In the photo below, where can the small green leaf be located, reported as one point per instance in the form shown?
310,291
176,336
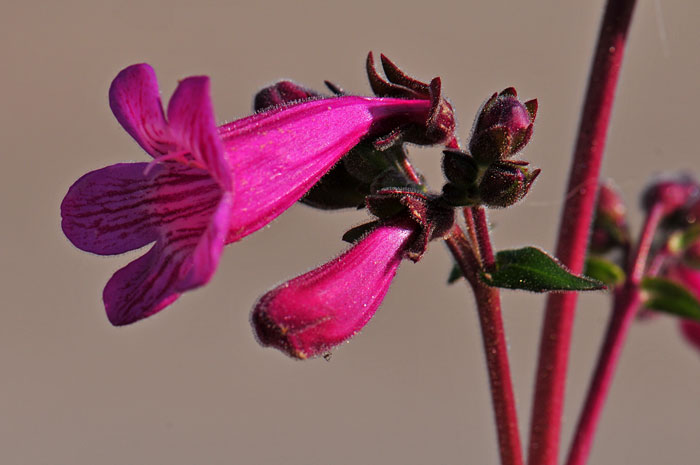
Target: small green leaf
604,270
533,270
455,274
669,297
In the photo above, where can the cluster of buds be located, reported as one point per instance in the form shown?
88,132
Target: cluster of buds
487,174
610,229
672,201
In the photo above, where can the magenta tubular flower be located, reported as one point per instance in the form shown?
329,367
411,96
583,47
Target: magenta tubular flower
316,311
206,186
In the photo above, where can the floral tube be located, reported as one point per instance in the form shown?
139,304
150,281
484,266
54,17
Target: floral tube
206,186
318,310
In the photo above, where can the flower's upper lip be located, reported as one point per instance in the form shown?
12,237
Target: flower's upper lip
189,132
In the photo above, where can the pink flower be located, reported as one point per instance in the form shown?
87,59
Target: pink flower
318,310
206,186
690,279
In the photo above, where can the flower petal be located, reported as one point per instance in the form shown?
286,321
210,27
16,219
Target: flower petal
135,101
105,211
184,257
193,127
119,208
318,310
278,155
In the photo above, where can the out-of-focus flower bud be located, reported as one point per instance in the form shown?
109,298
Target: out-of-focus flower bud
281,93
502,128
610,227
671,194
505,183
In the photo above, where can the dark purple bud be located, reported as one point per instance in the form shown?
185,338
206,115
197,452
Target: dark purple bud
503,127
610,228
671,194
281,93
505,183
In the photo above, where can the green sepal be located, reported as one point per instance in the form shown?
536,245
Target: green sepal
358,232
666,296
532,269
604,271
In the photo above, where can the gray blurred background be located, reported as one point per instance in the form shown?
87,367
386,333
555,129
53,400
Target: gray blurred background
191,385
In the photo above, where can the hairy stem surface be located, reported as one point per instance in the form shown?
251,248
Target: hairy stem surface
489,308
573,232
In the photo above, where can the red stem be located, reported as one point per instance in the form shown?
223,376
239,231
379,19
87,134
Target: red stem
573,232
489,307
627,301
482,234
471,231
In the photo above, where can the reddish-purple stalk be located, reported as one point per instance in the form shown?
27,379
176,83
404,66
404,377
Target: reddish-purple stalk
489,308
626,303
482,235
471,231
574,231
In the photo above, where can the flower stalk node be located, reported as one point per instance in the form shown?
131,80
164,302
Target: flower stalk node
433,217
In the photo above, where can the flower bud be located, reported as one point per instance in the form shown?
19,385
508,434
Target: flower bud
671,194
504,184
610,228
502,128
281,93
314,312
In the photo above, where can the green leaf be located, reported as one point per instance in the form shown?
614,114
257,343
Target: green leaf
455,274
669,297
604,270
534,270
